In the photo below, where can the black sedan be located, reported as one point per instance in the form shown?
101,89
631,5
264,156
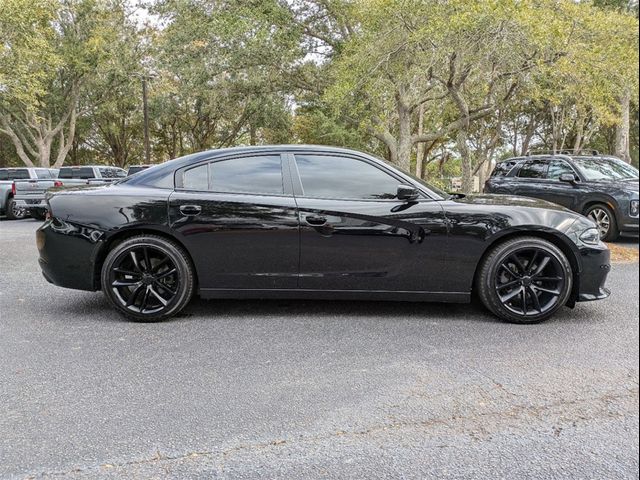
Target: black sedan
603,188
314,222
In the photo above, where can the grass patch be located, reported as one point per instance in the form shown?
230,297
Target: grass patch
621,254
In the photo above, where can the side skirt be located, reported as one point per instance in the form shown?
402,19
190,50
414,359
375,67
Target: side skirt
401,296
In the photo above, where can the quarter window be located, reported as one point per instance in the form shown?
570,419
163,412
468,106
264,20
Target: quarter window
533,169
196,178
325,176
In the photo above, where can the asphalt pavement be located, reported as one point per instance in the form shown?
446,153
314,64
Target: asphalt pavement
301,389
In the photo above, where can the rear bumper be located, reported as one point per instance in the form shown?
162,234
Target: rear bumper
67,254
596,265
29,204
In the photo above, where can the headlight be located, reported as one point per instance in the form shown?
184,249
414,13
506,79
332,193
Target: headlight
591,236
633,209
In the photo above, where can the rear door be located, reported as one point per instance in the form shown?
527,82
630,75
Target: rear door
238,218
356,235
530,179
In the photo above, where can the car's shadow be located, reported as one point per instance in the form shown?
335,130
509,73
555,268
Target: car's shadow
309,310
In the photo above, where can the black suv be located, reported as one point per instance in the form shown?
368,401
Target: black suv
601,187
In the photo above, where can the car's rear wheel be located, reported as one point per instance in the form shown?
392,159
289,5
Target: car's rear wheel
605,219
525,280
148,278
14,212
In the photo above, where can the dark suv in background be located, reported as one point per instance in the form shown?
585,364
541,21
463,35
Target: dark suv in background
601,187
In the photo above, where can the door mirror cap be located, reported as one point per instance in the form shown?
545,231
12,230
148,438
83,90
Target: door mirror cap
407,193
568,177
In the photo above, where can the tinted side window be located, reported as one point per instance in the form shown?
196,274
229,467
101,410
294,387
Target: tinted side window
557,168
326,176
502,169
259,174
533,169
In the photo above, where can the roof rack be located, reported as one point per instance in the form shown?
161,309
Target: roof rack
564,151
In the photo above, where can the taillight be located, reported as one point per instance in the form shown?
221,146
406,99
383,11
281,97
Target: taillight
57,183
13,188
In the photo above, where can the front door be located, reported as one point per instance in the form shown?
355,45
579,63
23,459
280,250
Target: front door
238,218
356,235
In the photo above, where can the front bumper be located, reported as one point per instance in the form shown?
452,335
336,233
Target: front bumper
68,253
596,265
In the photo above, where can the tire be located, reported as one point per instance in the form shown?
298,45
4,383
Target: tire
533,274
15,213
605,218
148,278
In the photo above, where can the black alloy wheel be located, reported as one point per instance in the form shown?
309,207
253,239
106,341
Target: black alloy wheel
148,278
525,280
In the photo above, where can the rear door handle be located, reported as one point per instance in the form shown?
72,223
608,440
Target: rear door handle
190,210
316,220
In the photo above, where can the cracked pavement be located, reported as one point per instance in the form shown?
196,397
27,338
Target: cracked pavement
292,389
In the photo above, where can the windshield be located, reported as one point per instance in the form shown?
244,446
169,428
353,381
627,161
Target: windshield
606,169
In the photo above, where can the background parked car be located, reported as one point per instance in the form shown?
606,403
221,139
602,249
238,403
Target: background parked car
10,178
30,194
136,168
601,187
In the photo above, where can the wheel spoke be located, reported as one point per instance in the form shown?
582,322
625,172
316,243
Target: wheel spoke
536,300
510,296
166,274
555,293
548,279
147,262
127,272
134,258
524,300
134,295
506,267
164,287
126,283
518,263
543,264
145,300
160,264
162,300
507,285
532,262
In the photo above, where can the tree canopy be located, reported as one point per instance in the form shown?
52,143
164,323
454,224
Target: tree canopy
436,87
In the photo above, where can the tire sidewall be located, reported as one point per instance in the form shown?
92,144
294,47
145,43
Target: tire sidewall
178,257
499,254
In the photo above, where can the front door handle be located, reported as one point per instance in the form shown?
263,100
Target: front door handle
190,210
316,220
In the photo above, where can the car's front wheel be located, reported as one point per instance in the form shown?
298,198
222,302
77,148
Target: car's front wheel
605,219
525,280
148,278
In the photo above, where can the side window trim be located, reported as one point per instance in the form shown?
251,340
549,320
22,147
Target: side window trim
179,175
296,173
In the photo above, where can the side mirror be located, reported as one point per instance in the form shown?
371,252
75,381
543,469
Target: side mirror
407,193
568,177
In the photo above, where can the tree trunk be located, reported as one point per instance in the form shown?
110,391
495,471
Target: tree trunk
405,141
622,129
465,154
421,146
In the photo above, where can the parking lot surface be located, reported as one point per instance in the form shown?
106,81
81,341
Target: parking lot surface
292,389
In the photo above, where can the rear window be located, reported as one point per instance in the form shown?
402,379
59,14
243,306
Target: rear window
502,169
14,174
80,172
43,173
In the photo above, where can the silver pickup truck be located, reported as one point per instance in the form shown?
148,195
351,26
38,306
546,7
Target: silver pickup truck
8,179
31,196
